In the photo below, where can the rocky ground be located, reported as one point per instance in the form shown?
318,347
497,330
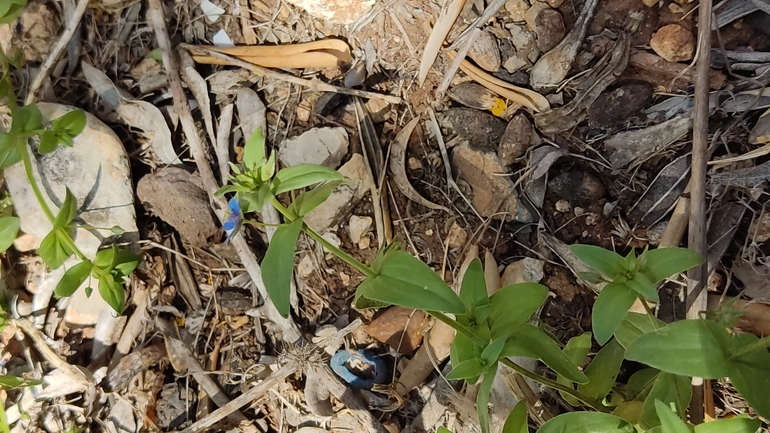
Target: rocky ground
567,122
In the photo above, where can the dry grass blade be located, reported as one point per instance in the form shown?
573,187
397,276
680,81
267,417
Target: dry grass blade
437,36
397,167
524,97
327,53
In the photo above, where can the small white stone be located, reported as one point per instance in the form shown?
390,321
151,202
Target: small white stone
358,226
306,266
457,236
526,270
563,206
345,279
324,146
579,211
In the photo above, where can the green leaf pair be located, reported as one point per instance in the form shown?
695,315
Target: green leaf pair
63,131
13,382
630,277
595,422
706,349
10,10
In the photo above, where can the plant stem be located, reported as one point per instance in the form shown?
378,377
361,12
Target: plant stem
516,367
342,255
650,314
66,239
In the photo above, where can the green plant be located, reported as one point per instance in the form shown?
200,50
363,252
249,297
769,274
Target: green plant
492,329
10,10
110,265
13,383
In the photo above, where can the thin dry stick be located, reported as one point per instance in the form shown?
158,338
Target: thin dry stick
312,85
243,399
697,277
455,65
157,21
69,31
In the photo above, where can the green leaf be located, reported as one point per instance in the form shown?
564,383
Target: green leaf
686,347
48,142
643,286
72,279
53,249
473,290
751,374
669,421
634,325
586,422
9,229
71,124
610,309
603,371
577,349
738,424
669,389
302,175
9,151
513,305
408,282
662,263
254,151
278,265
640,383
104,259
491,353
517,419
482,400
112,292
156,54
68,210
465,370
532,342
27,119
630,411
13,382
10,10
463,349
309,200
608,263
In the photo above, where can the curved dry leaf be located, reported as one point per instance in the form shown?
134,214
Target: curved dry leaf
297,61
524,97
199,89
136,113
760,134
397,161
437,36
325,53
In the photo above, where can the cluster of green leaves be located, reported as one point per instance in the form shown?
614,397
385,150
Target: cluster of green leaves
258,183
111,265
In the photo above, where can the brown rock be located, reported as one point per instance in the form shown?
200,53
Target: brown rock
400,328
516,139
613,108
178,198
548,25
485,52
483,170
579,186
478,127
526,270
517,9
674,43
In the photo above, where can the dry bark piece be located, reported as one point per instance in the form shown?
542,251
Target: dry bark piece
613,108
444,23
634,147
476,96
178,198
516,139
326,53
400,328
485,53
674,43
663,192
133,364
397,167
665,74
478,127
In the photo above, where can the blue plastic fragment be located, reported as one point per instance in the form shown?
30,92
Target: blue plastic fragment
360,360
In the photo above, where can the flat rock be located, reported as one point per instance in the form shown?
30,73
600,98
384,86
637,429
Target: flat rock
335,11
492,191
400,328
548,25
178,198
516,139
674,43
358,227
323,146
478,127
612,108
526,270
485,52
578,186
344,197
96,170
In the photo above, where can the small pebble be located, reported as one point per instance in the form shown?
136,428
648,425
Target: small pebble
674,43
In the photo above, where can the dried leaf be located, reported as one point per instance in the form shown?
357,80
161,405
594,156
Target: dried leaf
326,53
135,113
634,147
444,23
524,97
397,161
199,89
